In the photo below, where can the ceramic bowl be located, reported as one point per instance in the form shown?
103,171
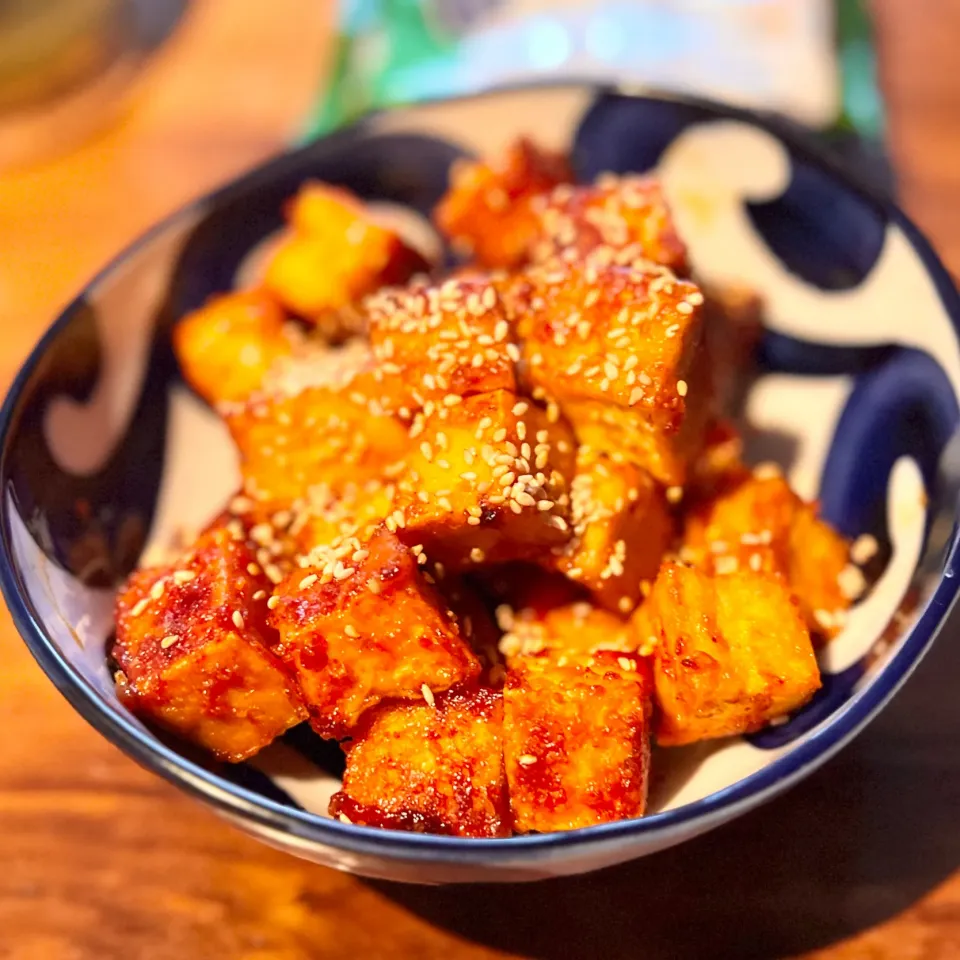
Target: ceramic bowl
104,449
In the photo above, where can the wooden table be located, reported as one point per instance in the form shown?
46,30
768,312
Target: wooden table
101,860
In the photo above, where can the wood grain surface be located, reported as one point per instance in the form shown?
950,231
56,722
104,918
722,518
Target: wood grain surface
101,860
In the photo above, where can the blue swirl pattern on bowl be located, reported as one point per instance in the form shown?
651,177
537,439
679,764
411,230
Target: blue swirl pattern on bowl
91,438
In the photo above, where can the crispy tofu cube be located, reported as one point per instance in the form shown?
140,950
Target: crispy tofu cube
620,350
820,573
759,523
320,435
622,526
572,629
226,348
362,625
617,335
438,342
433,766
487,210
332,256
193,647
628,215
733,327
667,455
732,652
486,482
576,739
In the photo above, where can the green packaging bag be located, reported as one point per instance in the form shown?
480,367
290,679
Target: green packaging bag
810,60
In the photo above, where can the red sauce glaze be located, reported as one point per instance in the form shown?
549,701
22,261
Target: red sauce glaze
352,647
429,767
576,740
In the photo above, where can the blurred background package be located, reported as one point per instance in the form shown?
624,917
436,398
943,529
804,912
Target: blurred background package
810,62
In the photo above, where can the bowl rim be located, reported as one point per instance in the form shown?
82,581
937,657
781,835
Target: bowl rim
238,802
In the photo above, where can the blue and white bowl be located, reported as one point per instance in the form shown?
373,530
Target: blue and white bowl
105,451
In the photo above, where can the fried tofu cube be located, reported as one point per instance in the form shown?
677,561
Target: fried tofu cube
487,211
733,327
667,455
433,766
363,625
576,739
438,342
194,650
617,335
622,526
628,215
319,435
620,350
820,573
486,482
226,348
333,255
732,652
759,523
572,629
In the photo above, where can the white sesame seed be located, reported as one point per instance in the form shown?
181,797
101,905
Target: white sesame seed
169,641
308,581
725,565
864,549
851,582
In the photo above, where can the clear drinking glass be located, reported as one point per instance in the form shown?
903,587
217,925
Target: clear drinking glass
66,67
